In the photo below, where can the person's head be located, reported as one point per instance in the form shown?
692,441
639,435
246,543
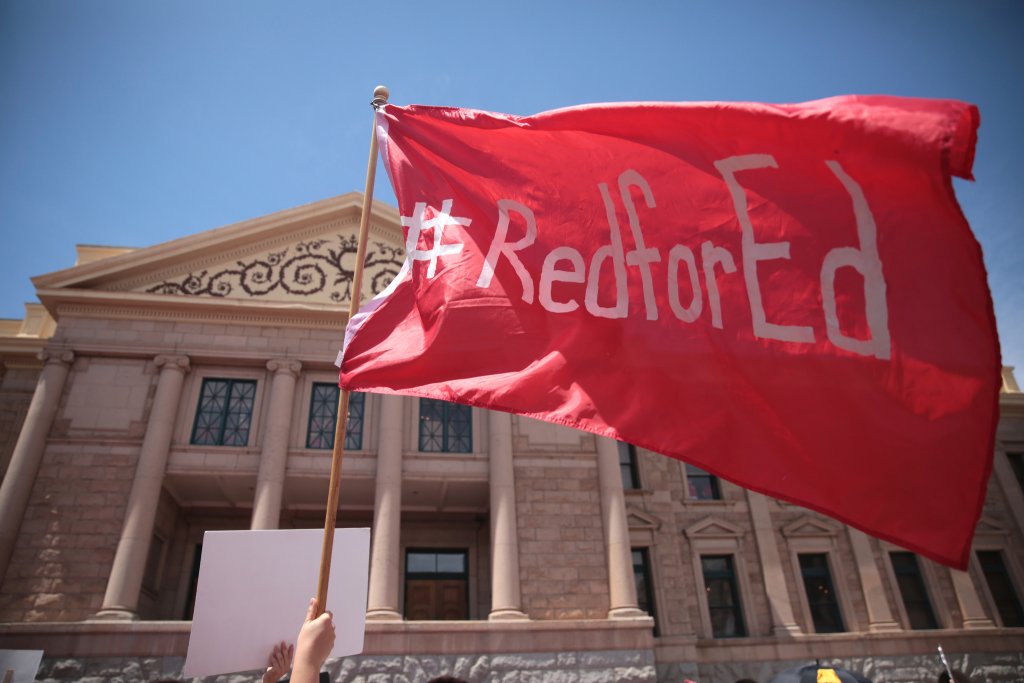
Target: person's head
746,680
958,677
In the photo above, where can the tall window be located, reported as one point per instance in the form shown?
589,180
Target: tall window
445,427
912,590
723,596
702,486
436,585
193,583
154,565
627,465
999,585
821,594
225,412
1017,463
323,416
644,587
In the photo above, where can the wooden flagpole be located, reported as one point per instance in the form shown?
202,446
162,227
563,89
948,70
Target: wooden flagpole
380,98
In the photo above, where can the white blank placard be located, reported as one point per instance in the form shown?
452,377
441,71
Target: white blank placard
24,664
254,590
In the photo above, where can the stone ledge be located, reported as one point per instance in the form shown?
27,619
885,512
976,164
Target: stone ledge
837,645
170,638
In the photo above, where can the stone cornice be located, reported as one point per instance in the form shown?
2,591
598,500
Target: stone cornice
243,237
24,347
143,306
1011,405
198,356
212,257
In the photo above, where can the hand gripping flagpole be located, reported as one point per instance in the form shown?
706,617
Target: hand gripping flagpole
380,98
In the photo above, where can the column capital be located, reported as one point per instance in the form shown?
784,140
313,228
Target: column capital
284,365
58,356
172,362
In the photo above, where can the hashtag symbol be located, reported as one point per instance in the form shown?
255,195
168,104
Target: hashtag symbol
419,222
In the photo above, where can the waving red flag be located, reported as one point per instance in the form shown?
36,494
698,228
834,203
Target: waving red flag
787,296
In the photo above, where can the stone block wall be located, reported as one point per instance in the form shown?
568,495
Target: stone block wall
610,666
607,666
563,570
671,577
981,668
16,388
60,564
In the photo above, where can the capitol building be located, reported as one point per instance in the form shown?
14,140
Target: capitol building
155,394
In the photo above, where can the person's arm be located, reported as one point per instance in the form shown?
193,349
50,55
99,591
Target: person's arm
314,644
279,662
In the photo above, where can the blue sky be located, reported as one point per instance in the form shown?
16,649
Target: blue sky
131,123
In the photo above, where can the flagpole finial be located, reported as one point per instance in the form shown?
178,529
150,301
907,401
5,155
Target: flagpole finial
380,96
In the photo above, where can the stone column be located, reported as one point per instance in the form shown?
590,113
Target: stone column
385,555
266,507
28,451
783,621
880,617
971,611
506,600
122,596
621,584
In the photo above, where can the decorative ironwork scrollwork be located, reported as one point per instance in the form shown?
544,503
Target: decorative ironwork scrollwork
304,269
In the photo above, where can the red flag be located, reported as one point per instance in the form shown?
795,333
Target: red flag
787,296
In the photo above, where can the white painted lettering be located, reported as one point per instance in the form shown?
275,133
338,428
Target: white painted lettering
690,313
754,251
549,275
499,246
641,256
615,253
438,223
865,261
712,256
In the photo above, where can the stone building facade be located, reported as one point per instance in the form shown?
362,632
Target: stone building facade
158,393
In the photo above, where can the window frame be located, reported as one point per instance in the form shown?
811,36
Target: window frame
737,595
646,554
831,575
632,465
716,484
315,384
927,585
1013,576
417,434
717,536
232,380
1015,457
810,534
153,572
439,576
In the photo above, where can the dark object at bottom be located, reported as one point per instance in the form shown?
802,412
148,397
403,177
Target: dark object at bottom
809,674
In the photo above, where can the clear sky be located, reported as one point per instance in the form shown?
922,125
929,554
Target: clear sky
134,122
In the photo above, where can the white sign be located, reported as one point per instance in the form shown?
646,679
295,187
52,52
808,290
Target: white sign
254,590
19,666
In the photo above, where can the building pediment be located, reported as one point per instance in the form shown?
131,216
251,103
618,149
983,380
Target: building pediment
990,527
305,255
712,527
808,526
316,270
638,519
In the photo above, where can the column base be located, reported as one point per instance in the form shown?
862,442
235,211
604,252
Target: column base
976,624
786,630
507,615
114,614
383,615
626,613
884,627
